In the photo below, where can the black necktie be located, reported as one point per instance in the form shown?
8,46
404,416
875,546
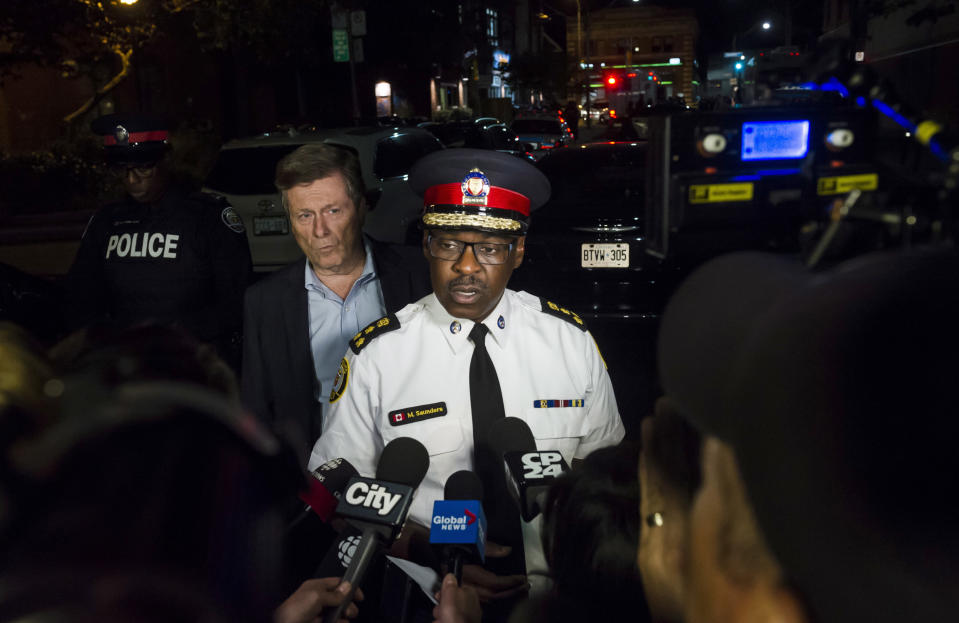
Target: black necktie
486,402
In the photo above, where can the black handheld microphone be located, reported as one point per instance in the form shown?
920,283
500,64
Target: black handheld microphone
325,490
529,472
378,507
458,526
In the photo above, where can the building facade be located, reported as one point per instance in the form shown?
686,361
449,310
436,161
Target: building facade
635,55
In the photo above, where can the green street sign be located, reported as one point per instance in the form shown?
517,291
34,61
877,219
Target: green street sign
341,45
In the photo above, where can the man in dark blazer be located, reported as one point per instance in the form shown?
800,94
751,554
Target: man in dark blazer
299,320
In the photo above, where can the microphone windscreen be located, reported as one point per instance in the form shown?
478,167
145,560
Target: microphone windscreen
511,434
403,461
463,485
326,485
334,474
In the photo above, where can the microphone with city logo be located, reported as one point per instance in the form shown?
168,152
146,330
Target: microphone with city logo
378,508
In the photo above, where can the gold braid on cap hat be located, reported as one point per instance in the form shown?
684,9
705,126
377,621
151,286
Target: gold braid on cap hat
466,221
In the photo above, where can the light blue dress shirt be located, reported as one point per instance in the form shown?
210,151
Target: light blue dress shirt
334,321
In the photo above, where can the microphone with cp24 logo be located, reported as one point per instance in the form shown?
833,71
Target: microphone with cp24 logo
529,472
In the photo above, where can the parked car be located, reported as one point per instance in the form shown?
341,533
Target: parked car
542,132
486,121
480,135
599,111
586,248
499,137
245,169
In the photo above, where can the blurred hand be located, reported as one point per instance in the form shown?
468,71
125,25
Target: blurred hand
414,545
488,585
307,603
457,604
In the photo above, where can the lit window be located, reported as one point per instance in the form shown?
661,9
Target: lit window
492,26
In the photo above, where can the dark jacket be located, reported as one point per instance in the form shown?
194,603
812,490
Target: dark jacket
278,379
182,260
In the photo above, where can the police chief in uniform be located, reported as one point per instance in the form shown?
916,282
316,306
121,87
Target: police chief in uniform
161,254
414,373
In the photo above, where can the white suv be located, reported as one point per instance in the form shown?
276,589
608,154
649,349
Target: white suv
245,169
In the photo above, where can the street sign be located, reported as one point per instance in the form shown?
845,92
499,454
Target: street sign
357,50
341,46
338,17
358,23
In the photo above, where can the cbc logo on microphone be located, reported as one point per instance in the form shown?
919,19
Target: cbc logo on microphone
542,464
346,550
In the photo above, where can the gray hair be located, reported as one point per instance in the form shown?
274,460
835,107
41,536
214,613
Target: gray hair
316,161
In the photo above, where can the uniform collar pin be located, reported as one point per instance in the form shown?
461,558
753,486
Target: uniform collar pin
455,327
501,322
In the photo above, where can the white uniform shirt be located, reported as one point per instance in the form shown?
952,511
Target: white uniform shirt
540,359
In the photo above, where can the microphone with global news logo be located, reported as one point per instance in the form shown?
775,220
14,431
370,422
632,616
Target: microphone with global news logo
458,526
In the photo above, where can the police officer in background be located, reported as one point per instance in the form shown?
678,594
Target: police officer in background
162,254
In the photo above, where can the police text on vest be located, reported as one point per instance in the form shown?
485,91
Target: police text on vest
143,244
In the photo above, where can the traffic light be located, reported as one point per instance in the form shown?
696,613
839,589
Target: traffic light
612,81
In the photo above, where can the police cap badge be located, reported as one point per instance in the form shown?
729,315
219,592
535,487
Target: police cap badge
478,189
132,138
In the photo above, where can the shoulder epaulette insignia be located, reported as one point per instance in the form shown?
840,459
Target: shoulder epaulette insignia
571,317
378,327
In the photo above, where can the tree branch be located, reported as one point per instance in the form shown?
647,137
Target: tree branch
106,88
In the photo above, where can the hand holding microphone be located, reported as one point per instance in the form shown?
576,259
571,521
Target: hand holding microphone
312,597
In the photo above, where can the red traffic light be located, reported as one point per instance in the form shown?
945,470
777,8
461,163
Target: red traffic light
611,80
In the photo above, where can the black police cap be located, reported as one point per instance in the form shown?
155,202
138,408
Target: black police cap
836,392
478,189
132,138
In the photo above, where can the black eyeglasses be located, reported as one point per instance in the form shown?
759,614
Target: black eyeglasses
484,252
123,170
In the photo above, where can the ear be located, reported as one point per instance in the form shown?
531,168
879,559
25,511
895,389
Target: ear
519,251
426,250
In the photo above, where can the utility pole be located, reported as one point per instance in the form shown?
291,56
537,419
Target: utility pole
589,116
356,99
579,32
343,50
